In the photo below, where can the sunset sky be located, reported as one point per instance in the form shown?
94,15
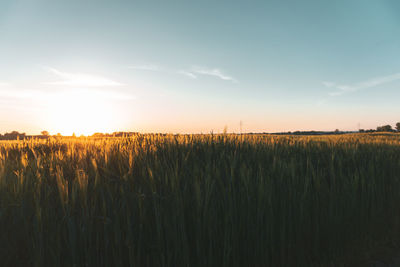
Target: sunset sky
198,66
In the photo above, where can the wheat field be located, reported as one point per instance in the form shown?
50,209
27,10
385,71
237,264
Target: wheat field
197,200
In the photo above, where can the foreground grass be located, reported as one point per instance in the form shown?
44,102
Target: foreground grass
204,200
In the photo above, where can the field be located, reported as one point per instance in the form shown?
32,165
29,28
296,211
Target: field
201,200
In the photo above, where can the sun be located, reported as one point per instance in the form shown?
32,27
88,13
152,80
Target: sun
81,112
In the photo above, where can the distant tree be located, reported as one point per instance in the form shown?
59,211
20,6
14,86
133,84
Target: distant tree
14,135
384,128
361,131
398,126
98,135
45,133
337,131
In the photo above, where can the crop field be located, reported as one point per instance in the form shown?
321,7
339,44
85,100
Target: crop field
198,200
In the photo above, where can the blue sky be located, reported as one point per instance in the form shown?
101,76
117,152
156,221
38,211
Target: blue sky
198,66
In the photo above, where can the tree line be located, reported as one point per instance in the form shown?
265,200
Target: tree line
15,135
383,128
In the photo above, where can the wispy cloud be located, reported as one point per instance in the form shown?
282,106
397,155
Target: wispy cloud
348,88
193,73
187,74
215,72
81,79
148,67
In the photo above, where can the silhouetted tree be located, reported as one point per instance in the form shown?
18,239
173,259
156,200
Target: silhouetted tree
98,135
398,126
45,133
384,128
14,135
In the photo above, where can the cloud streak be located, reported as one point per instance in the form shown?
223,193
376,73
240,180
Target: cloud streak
187,74
215,72
192,73
81,80
147,67
348,88
88,84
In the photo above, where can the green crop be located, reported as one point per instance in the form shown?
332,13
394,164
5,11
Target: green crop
197,200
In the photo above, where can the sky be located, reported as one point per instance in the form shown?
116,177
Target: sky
198,66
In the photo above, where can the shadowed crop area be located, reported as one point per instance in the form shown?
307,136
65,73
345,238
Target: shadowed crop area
197,200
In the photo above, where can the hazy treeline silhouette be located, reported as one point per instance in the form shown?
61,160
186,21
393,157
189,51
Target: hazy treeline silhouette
384,128
15,135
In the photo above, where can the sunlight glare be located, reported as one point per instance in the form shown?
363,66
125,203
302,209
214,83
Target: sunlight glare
82,112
